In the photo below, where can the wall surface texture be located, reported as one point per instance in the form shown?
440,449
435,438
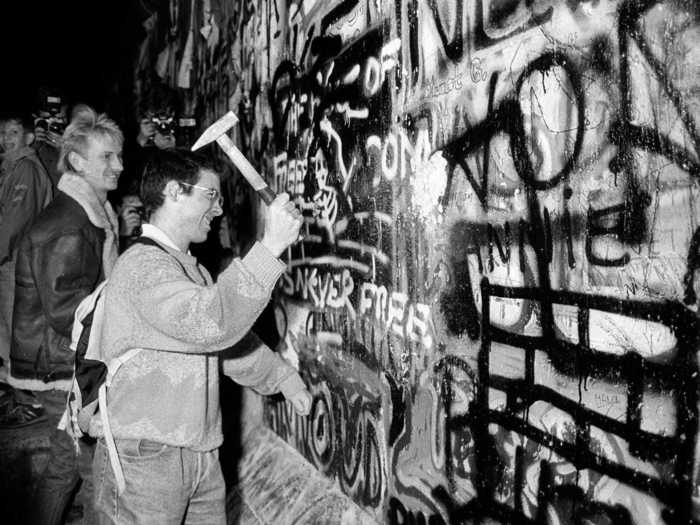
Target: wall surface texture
501,208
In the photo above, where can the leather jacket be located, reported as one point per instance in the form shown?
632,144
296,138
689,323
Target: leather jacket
59,263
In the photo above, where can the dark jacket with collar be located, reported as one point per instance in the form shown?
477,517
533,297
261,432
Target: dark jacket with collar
25,190
58,264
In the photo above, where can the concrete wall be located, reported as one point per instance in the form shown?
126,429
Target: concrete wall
500,201
275,484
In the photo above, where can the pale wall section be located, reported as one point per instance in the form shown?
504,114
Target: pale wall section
501,213
277,485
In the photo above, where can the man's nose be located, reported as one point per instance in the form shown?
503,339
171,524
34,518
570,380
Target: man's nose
117,164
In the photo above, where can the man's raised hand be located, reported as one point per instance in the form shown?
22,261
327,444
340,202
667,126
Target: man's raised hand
282,223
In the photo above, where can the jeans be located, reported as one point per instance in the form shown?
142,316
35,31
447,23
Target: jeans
64,471
164,485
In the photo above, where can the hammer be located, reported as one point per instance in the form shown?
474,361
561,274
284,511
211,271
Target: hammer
217,132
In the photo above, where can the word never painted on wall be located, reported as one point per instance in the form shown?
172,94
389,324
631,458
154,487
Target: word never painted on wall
545,146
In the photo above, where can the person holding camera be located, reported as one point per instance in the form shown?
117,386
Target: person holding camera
49,124
156,132
157,129
157,122
132,215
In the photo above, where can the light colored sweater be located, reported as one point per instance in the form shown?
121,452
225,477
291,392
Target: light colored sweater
169,392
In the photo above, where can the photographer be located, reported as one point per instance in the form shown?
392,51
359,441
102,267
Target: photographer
156,126
49,124
157,129
132,215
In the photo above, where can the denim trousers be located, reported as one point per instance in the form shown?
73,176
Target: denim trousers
164,485
68,474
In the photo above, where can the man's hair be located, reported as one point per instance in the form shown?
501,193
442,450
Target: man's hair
162,166
160,99
86,124
80,109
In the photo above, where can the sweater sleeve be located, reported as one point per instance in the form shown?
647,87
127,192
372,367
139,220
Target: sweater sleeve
30,192
199,318
251,363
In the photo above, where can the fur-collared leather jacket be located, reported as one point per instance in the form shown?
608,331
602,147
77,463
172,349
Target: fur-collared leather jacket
58,264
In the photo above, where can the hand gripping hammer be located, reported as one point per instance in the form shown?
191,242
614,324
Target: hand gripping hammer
217,132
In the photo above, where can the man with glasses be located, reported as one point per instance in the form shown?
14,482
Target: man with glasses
50,120
163,403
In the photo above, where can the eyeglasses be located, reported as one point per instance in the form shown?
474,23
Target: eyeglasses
212,194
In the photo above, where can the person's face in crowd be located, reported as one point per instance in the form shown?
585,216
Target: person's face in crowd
61,116
202,205
101,164
131,215
132,201
14,137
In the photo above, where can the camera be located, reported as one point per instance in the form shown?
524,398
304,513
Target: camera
165,124
53,124
142,212
50,118
142,215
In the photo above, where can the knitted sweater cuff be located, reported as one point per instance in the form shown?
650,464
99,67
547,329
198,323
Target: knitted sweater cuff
292,385
266,267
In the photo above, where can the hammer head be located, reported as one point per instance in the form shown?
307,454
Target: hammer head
217,129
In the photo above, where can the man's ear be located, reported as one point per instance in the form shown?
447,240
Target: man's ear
76,160
172,190
29,138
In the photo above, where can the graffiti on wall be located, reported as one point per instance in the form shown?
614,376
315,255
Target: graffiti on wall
490,300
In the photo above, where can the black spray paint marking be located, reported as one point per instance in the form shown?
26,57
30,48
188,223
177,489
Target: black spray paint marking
680,373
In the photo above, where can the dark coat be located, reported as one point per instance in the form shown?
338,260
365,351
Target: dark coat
58,264
25,190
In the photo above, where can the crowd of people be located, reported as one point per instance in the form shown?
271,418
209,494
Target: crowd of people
69,221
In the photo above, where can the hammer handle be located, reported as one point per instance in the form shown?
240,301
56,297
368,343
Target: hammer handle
246,169
267,195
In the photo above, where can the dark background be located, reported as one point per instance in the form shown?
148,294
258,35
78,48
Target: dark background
84,48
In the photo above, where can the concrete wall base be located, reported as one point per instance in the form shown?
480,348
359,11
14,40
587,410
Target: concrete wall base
277,485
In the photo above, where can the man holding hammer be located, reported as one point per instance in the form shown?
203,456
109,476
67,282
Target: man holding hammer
163,402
